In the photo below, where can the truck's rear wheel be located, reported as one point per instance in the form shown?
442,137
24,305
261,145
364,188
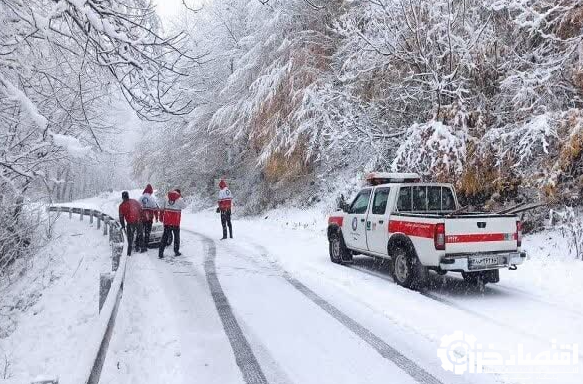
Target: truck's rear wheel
407,270
479,279
339,254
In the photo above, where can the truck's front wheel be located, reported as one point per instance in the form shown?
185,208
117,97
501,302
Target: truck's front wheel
339,254
402,267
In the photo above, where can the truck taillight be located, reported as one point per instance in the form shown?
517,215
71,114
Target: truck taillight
518,233
439,237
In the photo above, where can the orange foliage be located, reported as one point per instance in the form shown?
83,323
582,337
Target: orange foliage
571,24
308,61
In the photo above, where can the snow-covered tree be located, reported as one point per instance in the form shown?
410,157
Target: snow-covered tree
62,65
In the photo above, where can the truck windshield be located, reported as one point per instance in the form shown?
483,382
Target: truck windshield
360,203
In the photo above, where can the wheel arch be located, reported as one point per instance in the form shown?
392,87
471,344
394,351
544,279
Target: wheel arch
400,240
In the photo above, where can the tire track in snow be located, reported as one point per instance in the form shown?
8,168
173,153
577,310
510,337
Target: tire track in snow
384,349
452,304
244,356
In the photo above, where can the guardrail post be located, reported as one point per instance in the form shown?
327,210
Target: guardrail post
111,232
91,212
81,215
99,221
105,280
116,251
105,224
70,213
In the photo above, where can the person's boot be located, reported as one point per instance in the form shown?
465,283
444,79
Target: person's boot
161,255
177,253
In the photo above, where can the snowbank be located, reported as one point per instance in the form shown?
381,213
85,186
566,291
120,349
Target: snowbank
50,312
551,270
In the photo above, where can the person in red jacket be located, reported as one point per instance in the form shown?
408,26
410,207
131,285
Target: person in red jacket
170,214
225,203
130,211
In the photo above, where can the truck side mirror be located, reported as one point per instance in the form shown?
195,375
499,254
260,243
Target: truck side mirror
342,205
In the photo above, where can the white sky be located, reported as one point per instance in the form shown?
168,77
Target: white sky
169,9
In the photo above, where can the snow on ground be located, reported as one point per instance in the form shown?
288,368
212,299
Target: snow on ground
169,330
551,272
54,306
532,306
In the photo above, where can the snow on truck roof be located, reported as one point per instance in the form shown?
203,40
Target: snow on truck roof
378,178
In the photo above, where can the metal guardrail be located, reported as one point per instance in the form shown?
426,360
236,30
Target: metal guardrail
110,289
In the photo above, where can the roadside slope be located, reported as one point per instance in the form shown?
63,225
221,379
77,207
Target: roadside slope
55,305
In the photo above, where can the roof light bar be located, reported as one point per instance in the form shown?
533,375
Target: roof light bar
378,178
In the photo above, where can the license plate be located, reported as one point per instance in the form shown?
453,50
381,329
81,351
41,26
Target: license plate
483,262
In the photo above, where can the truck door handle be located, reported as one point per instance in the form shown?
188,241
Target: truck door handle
381,221
362,220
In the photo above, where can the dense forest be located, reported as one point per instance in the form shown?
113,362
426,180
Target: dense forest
295,99
291,101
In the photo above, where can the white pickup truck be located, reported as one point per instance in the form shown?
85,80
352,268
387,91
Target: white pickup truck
417,227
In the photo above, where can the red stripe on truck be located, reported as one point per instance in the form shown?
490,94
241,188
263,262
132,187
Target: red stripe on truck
427,230
480,238
410,228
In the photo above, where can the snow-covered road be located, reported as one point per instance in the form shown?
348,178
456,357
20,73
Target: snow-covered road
178,324
255,310
269,307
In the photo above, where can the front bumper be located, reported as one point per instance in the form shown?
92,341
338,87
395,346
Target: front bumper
463,263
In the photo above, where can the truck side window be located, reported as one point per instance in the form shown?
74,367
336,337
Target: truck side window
360,203
381,197
434,198
419,199
404,202
447,200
